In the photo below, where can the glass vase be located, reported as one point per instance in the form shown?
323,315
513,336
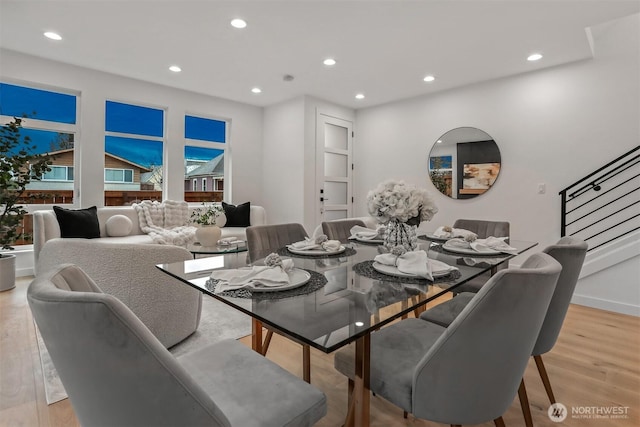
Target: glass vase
400,234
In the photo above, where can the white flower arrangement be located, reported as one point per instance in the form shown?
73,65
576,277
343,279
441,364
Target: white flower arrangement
396,200
206,215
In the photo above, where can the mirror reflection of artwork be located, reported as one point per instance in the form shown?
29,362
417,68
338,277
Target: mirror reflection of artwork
479,177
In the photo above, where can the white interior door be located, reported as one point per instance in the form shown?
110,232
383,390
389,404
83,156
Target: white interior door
334,168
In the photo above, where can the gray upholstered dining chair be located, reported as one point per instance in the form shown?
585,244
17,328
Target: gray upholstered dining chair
117,373
570,252
263,240
340,229
483,229
470,372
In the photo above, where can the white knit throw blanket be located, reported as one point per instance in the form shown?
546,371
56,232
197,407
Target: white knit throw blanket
166,222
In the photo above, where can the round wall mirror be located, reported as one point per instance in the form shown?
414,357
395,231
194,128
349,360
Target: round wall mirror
464,163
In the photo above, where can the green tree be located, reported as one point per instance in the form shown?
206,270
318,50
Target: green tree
19,165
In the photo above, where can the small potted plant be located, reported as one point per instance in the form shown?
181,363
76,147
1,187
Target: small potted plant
206,217
19,165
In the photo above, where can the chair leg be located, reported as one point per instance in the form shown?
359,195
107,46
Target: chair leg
405,414
524,403
499,422
306,363
267,341
545,378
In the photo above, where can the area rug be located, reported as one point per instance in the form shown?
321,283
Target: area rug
218,322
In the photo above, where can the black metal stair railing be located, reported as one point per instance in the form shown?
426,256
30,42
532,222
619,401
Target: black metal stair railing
604,205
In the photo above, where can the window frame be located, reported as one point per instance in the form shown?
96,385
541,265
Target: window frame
162,139
225,147
60,127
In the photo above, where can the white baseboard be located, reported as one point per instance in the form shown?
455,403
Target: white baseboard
602,304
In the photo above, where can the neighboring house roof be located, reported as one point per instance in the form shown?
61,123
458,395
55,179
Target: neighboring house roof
66,150
214,167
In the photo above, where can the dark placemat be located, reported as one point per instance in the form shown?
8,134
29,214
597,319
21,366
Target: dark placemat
365,268
347,252
440,249
316,282
367,242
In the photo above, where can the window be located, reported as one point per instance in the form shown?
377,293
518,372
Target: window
134,137
204,156
59,173
50,122
118,175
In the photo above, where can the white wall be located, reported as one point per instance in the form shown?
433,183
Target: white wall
283,162
94,87
553,126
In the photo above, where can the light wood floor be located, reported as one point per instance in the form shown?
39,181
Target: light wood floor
596,363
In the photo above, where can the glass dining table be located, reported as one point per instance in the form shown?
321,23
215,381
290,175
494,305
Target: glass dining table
339,299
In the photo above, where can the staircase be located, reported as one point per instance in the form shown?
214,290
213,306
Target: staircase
603,209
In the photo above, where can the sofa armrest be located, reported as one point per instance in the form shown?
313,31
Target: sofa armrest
45,227
170,309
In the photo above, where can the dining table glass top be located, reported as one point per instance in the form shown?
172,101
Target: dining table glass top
345,297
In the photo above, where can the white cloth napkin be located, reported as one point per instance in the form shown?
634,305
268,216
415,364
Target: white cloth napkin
455,232
414,262
364,233
490,244
256,276
310,244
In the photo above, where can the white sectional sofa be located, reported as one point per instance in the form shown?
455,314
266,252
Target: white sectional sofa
125,267
45,227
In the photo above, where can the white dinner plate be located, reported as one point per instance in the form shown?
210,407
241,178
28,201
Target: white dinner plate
436,238
315,251
360,239
297,277
393,271
469,251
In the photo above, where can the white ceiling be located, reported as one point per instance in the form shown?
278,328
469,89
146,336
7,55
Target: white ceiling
383,48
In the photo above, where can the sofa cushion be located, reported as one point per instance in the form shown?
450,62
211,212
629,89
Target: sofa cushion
119,226
237,216
78,222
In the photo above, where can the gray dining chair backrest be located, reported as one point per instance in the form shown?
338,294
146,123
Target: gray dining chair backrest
117,373
340,229
483,228
113,369
264,239
482,355
570,252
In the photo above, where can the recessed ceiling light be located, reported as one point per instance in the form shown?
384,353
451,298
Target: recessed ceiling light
53,36
256,90
360,96
439,141
175,68
238,23
329,61
429,79
534,57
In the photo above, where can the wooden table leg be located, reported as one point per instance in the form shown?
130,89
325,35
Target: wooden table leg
362,392
256,335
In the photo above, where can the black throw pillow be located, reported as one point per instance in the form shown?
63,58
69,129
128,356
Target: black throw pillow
78,223
237,216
